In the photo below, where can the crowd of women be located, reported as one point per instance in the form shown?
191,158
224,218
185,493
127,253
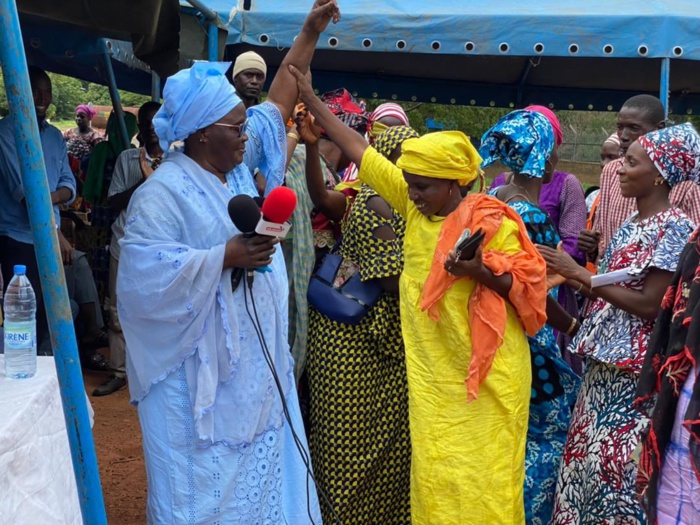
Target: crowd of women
443,373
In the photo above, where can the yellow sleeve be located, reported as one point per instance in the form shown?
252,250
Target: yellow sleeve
507,238
386,179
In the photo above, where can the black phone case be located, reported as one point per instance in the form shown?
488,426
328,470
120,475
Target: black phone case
467,248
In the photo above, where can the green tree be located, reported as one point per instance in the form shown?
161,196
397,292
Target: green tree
67,94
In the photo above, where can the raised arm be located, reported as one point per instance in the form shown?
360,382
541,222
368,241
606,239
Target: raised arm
283,91
329,202
351,143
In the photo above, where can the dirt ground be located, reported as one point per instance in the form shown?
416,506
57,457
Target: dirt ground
117,437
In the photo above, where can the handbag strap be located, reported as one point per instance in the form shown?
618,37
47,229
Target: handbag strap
337,245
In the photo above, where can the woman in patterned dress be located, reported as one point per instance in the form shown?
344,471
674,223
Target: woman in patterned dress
669,468
359,437
81,139
554,383
597,477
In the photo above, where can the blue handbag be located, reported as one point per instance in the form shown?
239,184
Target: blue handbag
346,303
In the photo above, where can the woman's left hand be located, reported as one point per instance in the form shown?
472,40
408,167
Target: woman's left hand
558,261
465,268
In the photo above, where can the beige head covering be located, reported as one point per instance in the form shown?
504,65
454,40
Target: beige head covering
249,60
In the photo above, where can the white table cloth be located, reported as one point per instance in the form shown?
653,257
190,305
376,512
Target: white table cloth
37,484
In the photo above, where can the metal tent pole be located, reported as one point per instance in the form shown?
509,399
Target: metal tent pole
41,217
665,89
114,94
155,86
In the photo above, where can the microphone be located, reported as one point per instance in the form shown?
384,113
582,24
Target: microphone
277,209
245,214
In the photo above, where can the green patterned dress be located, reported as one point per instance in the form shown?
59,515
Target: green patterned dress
359,437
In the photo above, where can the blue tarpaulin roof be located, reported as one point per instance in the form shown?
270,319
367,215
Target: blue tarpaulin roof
585,54
572,54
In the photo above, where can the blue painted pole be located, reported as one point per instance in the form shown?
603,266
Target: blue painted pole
114,95
213,42
41,217
665,91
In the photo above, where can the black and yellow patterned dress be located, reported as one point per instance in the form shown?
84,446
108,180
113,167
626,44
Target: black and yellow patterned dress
359,437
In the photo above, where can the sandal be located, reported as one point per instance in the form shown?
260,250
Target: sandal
97,362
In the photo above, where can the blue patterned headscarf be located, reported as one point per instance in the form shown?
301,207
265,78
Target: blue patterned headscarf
522,140
675,151
193,99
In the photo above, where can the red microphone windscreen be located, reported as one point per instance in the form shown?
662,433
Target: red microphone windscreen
279,205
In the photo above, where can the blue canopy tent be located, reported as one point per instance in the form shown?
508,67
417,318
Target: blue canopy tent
588,55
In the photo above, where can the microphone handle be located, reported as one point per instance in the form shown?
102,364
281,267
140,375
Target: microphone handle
238,273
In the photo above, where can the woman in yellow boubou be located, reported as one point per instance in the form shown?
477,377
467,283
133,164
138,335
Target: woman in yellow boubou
463,322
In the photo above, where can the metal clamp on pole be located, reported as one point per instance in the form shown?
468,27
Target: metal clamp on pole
41,217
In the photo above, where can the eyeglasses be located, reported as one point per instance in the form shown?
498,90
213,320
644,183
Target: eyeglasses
239,127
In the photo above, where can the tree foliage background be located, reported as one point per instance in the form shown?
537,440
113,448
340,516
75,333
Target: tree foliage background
584,131
69,92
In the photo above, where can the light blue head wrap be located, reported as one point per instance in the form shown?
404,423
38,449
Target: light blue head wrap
193,99
522,140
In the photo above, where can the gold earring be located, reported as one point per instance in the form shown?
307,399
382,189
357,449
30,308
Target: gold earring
658,181
201,139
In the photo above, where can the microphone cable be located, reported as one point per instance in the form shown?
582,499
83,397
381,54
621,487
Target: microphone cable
285,409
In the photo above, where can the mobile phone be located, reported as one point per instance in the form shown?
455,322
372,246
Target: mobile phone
467,248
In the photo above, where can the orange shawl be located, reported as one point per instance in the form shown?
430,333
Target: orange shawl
487,309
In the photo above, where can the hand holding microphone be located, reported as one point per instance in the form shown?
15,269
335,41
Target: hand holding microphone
260,231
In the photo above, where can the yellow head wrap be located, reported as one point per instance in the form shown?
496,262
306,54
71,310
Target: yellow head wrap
444,155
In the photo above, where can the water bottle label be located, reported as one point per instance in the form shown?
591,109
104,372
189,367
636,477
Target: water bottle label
21,338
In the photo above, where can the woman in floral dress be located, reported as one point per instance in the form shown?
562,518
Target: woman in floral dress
596,483
525,142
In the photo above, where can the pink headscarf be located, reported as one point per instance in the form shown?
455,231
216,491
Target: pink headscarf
89,112
388,109
553,120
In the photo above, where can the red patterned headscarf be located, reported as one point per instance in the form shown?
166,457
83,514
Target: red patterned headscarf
343,105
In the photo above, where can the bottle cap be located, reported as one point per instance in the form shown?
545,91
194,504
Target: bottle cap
20,269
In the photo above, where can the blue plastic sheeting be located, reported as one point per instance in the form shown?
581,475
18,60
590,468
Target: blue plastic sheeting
81,55
664,28
585,55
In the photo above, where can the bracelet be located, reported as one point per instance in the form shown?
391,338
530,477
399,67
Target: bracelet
571,326
579,288
293,136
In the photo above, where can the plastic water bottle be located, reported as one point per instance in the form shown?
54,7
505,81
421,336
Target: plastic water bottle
20,326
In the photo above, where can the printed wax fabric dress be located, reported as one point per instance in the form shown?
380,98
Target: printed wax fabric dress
554,389
597,477
359,438
668,482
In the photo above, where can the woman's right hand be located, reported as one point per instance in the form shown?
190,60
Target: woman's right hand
249,252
